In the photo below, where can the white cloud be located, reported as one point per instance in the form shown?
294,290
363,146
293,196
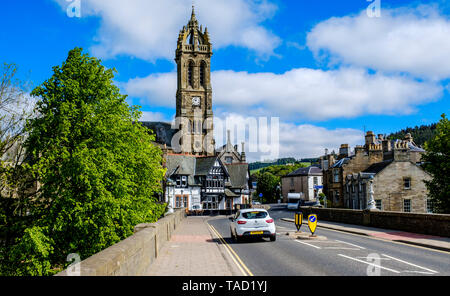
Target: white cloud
154,116
156,89
288,140
311,141
300,93
410,40
149,29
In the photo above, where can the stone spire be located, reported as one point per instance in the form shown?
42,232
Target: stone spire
193,21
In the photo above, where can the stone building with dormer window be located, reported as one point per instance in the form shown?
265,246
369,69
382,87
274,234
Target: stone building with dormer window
375,151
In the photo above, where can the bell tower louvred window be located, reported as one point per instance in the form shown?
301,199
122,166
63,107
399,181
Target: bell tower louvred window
202,74
191,74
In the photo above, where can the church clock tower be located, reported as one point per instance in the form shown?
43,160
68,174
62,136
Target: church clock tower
194,92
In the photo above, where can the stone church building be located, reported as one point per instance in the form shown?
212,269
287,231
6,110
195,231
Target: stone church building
199,177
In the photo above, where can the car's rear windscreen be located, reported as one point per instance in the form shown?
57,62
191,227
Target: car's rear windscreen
254,215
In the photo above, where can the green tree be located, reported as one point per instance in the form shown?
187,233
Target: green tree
437,164
98,170
269,178
420,134
267,185
281,170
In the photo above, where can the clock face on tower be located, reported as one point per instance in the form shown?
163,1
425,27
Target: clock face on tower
196,101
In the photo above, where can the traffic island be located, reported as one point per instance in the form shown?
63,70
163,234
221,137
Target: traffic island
305,236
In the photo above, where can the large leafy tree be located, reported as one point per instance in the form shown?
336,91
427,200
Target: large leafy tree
437,163
98,170
269,180
267,186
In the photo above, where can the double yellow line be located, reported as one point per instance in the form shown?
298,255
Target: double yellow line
242,267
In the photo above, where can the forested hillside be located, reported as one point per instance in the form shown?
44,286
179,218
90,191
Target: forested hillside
420,134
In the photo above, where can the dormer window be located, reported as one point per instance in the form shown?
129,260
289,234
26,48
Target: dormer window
182,181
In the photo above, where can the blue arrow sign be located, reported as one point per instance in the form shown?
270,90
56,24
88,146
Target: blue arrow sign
312,219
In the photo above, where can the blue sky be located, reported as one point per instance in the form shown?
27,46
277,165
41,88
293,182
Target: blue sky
325,68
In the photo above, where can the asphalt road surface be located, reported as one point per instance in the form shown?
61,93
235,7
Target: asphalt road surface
342,254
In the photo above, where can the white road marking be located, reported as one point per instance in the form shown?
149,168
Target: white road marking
308,244
421,272
430,270
351,244
369,263
325,242
341,248
367,258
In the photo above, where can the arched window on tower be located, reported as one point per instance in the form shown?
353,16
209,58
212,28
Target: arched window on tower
191,74
203,74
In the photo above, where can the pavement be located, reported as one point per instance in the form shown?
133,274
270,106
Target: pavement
194,250
428,241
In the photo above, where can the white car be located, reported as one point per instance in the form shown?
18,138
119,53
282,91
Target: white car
252,223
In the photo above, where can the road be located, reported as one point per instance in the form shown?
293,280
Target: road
342,254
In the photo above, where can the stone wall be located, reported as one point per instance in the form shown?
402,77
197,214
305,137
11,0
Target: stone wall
134,255
431,224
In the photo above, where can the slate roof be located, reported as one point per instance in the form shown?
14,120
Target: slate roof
238,174
203,165
340,163
415,148
230,193
309,171
181,165
377,167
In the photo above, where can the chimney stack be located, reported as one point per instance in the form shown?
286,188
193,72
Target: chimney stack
370,138
408,137
344,151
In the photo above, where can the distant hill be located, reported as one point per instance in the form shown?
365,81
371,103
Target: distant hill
281,161
256,166
420,134
281,170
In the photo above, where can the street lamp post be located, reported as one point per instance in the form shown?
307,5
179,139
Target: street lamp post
371,205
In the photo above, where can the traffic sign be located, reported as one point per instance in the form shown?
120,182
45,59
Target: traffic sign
312,223
298,220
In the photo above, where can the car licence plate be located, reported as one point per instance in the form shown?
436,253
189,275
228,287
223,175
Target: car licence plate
256,232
